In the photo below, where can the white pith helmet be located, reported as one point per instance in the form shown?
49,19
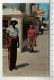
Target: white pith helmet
13,20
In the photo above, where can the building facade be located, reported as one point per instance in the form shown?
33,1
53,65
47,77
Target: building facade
24,7
7,15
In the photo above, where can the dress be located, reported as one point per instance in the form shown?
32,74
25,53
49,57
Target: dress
31,37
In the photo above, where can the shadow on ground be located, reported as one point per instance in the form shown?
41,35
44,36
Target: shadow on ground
35,51
22,65
25,49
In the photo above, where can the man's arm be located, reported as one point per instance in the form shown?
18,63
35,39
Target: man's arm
18,40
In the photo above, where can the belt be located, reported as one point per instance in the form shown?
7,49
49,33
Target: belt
13,37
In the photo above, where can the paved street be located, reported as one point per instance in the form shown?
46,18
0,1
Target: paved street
30,64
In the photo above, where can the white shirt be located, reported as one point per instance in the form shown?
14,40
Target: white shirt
12,31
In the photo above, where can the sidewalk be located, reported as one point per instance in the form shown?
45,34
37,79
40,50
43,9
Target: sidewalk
30,64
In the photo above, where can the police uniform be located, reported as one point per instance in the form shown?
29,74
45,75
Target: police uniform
12,47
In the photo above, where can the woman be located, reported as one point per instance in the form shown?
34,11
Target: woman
12,44
31,38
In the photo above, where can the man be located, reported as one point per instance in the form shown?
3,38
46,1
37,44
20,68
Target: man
12,45
31,37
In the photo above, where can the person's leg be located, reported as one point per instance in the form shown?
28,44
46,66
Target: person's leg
10,60
14,56
10,54
31,48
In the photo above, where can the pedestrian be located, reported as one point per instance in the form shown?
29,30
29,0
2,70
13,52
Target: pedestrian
39,25
42,29
31,38
12,44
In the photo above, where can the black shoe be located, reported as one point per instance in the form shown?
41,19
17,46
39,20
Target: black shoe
15,68
10,69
